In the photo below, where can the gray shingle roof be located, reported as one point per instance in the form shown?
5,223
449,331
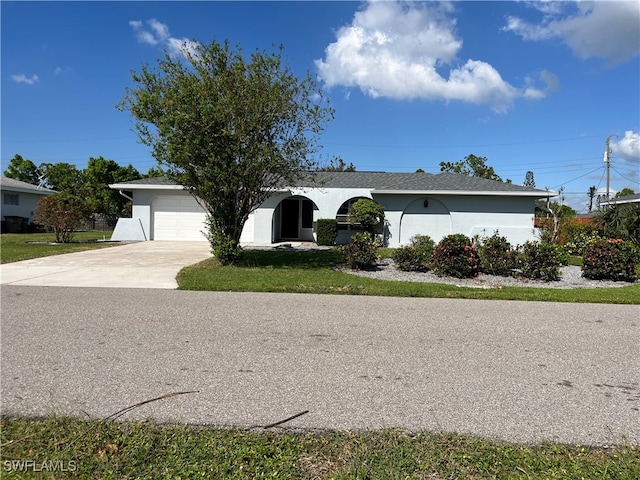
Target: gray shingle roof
390,181
7,183
635,198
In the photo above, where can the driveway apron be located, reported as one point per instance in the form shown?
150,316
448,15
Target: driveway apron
134,265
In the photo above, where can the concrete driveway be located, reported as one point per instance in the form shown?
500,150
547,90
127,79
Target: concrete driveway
135,265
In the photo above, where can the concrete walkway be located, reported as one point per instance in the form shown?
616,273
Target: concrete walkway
134,265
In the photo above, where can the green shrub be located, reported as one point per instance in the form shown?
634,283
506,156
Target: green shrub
417,256
327,231
360,252
454,256
577,236
611,260
63,213
496,256
539,261
367,213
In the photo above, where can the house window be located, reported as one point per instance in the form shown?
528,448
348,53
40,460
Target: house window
11,199
341,217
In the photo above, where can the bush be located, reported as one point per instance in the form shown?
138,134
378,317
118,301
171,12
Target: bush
577,236
496,256
454,256
360,252
539,261
368,213
327,231
622,221
63,213
224,248
417,256
611,260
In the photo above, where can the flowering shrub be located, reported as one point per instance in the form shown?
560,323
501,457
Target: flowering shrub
454,256
360,252
576,237
539,261
611,260
417,256
496,257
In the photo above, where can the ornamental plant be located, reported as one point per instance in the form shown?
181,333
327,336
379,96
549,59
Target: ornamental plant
63,213
611,260
417,256
539,261
455,256
361,251
368,213
496,256
327,230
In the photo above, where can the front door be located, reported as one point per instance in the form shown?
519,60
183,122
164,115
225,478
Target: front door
296,219
290,220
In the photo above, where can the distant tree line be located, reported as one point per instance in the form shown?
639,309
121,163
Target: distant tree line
87,189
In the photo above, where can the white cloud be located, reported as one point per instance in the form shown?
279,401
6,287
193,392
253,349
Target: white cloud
609,30
398,49
157,33
628,147
22,78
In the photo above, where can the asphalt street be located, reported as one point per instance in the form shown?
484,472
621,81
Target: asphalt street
516,371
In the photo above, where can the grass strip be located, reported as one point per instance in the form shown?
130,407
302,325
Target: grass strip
15,247
147,450
313,272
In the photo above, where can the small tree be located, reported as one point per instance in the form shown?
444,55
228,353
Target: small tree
231,129
367,213
62,212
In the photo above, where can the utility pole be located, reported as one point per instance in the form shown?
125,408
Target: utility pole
607,160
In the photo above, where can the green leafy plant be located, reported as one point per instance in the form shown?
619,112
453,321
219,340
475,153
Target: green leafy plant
575,237
496,256
63,213
327,231
611,260
417,256
455,256
368,213
622,221
539,261
360,252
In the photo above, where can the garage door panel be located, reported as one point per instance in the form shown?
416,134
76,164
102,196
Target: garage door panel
178,218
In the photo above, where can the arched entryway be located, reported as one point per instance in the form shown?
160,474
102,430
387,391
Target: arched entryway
293,219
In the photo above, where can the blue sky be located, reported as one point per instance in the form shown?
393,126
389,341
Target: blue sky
530,85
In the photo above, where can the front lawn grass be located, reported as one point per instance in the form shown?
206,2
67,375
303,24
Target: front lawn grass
313,272
16,246
106,450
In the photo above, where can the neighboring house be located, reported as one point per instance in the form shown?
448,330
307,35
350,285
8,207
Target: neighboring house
635,198
19,200
414,203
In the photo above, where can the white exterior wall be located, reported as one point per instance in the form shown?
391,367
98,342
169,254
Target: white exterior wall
27,205
405,214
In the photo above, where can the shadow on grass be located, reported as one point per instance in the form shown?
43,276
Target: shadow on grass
306,259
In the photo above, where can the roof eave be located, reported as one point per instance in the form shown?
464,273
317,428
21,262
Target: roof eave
536,194
141,186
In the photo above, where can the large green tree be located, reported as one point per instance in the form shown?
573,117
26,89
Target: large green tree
229,128
64,177
473,166
99,174
22,169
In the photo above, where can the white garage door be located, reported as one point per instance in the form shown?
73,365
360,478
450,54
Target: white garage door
178,217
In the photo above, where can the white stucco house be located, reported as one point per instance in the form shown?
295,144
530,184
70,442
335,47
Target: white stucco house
19,200
414,203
